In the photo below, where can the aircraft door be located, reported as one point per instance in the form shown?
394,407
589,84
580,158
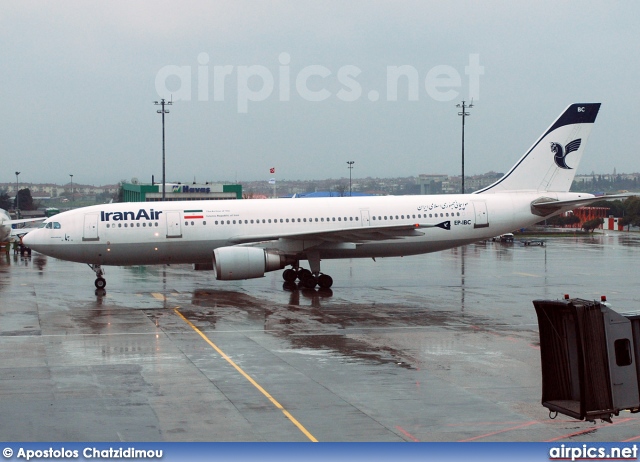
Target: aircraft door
90,231
364,216
173,224
482,217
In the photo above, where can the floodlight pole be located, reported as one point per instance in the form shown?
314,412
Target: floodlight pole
71,175
350,162
17,196
463,113
163,111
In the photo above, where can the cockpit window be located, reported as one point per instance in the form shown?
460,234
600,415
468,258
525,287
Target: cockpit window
56,225
42,225
49,225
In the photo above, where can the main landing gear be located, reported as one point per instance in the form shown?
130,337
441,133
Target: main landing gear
101,282
307,279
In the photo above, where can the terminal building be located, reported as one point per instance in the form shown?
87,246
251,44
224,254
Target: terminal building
180,192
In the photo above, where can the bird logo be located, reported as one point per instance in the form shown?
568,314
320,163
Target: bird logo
559,154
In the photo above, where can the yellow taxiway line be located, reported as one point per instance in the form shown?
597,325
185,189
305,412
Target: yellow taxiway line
248,377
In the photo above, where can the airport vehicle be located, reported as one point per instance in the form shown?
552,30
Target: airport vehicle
243,239
7,231
506,237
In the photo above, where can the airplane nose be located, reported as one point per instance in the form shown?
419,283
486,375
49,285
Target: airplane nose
29,239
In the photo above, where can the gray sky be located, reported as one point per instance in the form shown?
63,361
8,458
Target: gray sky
304,86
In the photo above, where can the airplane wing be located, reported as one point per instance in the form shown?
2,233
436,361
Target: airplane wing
355,235
546,205
22,220
20,232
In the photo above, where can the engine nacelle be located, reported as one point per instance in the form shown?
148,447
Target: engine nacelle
233,263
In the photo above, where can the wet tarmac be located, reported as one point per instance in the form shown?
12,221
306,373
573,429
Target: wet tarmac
440,347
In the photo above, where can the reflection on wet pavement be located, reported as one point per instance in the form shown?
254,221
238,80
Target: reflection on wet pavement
443,346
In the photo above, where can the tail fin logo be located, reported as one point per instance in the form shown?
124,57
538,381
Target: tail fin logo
559,154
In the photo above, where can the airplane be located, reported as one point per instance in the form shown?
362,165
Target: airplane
6,231
244,239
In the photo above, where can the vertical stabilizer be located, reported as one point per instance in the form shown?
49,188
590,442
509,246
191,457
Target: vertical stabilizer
550,164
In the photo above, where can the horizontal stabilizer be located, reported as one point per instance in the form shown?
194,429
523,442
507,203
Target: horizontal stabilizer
546,206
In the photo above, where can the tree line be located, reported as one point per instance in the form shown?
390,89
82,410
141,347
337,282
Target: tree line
25,200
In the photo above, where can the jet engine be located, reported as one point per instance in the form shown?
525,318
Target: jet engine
232,263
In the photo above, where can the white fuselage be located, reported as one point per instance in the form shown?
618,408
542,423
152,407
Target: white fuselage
188,232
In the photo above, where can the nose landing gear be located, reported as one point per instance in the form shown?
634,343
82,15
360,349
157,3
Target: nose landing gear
101,282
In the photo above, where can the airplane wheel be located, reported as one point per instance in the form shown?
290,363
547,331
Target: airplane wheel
101,283
303,273
309,281
289,275
325,281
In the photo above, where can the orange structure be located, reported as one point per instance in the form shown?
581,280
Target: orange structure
589,213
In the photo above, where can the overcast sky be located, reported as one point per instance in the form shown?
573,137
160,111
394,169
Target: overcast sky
305,86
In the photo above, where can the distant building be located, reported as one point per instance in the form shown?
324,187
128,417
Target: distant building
432,184
589,213
180,192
